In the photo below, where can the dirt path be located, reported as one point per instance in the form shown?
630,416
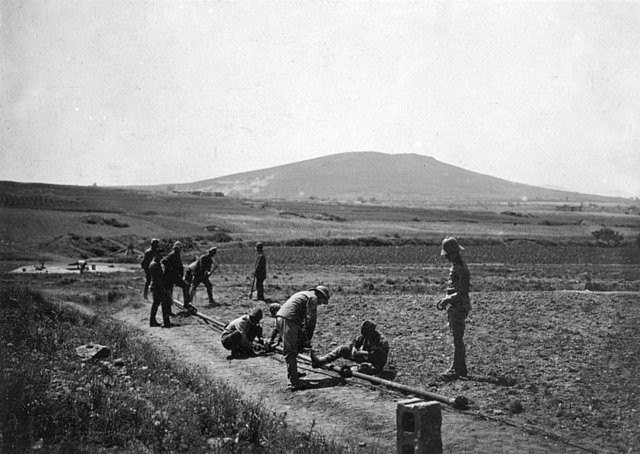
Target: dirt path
351,411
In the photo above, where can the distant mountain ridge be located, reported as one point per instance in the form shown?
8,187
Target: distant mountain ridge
380,177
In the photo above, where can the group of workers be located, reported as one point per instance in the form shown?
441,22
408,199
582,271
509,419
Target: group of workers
164,273
296,318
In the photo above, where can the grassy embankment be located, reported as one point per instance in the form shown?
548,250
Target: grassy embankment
133,401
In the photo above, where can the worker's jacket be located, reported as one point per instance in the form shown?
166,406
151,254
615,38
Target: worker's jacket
157,277
458,287
371,344
148,256
302,308
246,328
260,271
375,345
201,267
173,268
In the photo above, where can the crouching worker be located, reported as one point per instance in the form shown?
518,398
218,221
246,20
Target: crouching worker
370,350
238,335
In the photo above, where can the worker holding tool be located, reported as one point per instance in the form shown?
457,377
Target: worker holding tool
198,272
457,304
159,294
173,272
149,255
239,334
299,313
259,272
370,350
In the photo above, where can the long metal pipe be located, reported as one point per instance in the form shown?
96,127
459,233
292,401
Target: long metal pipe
459,402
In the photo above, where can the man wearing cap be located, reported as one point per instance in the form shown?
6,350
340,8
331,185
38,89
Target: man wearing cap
149,255
370,349
239,334
260,271
173,271
458,305
299,313
198,273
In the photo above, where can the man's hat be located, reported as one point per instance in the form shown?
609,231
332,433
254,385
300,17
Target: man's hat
259,245
449,245
213,250
274,308
324,290
367,327
155,241
177,244
255,315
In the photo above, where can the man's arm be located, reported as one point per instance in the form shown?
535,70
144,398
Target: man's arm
146,261
312,317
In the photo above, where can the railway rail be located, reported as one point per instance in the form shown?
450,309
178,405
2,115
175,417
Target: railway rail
459,402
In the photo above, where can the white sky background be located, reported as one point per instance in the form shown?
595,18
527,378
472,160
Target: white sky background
151,92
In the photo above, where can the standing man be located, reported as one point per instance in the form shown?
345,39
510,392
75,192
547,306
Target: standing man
260,271
199,271
458,303
173,272
149,255
299,314
239,334
159,294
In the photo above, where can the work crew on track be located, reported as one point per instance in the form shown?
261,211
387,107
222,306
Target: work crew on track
173,272
239,334
260,271
198,272
149,255
370,350
299,313
457,304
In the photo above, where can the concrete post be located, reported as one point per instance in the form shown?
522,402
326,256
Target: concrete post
419,427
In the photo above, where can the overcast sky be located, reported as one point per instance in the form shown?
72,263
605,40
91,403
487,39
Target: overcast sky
147,92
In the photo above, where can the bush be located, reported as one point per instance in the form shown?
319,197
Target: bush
608,236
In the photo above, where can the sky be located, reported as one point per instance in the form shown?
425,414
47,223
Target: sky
119,92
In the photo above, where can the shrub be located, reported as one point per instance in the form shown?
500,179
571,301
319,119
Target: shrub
608,236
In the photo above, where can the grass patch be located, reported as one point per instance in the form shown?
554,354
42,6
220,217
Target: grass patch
135,401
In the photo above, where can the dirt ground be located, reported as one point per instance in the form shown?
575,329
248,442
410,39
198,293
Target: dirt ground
352,411
552,348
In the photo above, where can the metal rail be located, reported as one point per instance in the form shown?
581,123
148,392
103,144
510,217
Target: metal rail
459,402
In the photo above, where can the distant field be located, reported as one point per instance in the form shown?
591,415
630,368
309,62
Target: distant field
49,222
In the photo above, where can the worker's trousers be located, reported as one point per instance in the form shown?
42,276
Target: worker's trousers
197,280
289,331
457,319
260,288
160,298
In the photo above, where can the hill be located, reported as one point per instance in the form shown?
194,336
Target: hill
381,178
